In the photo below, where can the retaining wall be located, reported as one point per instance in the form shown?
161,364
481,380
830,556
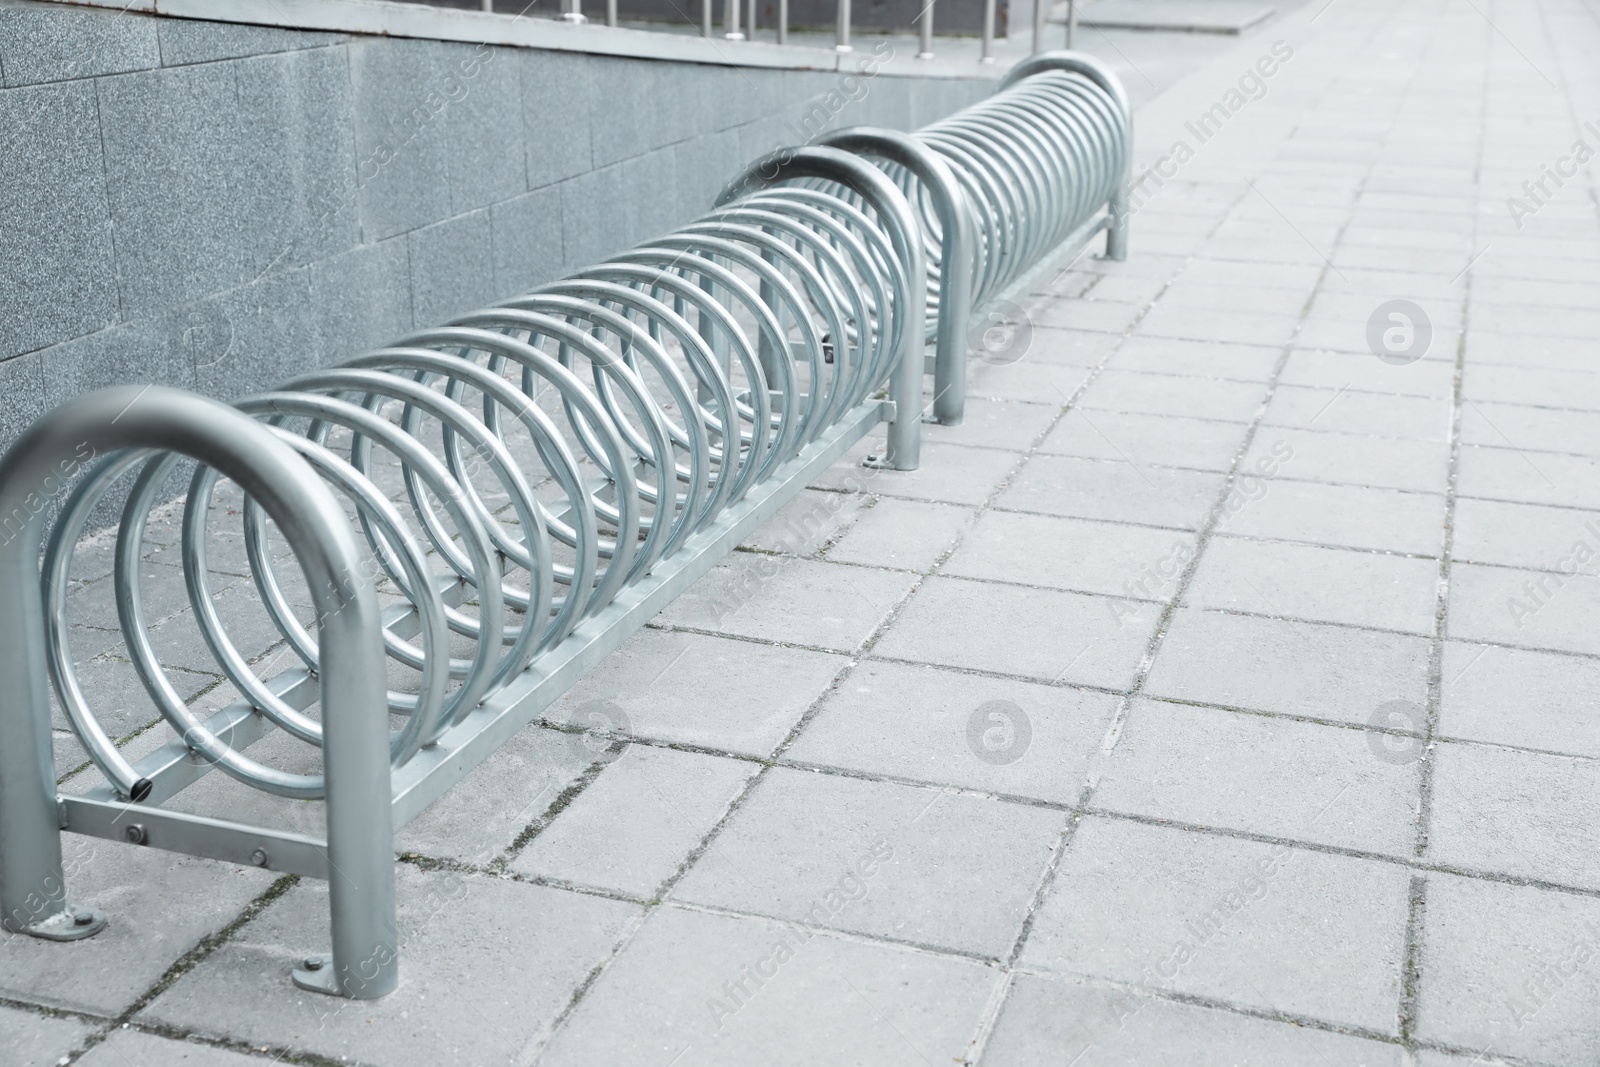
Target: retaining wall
219,207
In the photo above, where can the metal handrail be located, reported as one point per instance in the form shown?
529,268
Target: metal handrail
1041,14
740,23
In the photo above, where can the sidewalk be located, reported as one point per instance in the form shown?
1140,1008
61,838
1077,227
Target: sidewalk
1222,691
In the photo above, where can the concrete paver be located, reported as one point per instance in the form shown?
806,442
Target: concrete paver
632,829
1537,609
36,1040
1112,489
1260,774
759,595
1011,425
706,691
1287,665
1221,691
1146,440
1031,381
1139,392
902,534
135,1048
489,964
975,731
709,988
1206,359
1048,1018
1516,972
1276,928
1524,814
1520,697
950,473
1072,554
158,908
1041,634
915,865
1317,583
1526,535
1341,516
1358,459
1414,418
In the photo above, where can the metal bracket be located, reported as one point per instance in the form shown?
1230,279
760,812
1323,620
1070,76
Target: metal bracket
315,975
68,924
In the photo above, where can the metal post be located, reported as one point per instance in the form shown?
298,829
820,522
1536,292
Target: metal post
611,12
33,891
958,241
573,12
1041,11
707,17
926,51
750,21
731,21
1072,23
841,39
783,21
988,32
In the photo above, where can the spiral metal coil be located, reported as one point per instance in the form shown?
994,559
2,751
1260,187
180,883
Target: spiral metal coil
657,388
526,484
1037,169
1036,161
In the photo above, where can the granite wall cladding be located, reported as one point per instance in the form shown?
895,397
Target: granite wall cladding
219,207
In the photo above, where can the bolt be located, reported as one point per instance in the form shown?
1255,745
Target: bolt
313,963
83,917
135,833
259,857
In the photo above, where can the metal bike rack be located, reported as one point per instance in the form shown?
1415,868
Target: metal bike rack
533,482
1037,169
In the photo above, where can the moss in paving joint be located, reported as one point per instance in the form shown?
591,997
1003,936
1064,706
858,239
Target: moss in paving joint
212,942
1411,968
196,955
581,888
52,1012
578,994
436,863
278,1053
557,806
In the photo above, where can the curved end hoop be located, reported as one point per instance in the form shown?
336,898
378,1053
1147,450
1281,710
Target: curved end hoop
831,164
1103,76
1083,63
32,890
959,247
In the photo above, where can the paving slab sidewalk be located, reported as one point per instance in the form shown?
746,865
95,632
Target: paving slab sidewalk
1222,692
